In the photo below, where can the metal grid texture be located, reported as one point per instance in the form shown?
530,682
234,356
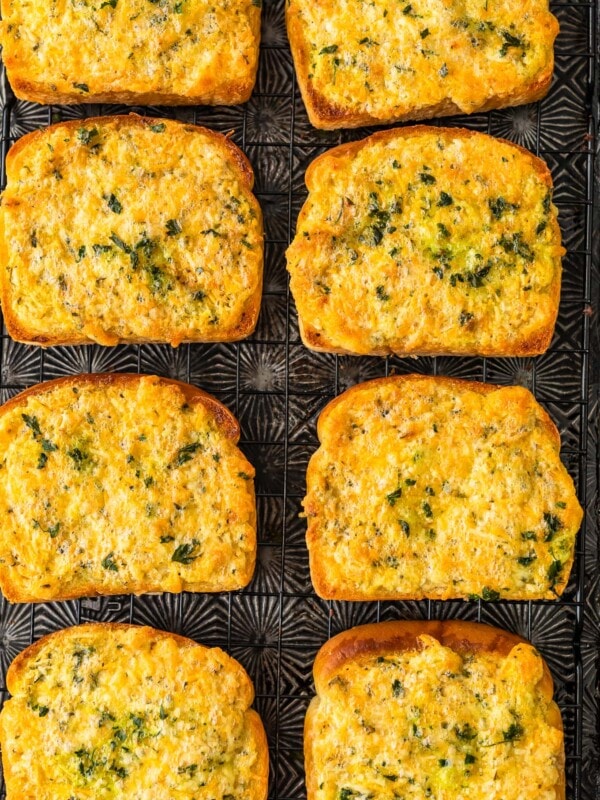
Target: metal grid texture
277,388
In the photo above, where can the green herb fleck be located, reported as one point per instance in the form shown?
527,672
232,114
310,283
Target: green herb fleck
186,453
81,459
331,48
499,206
108,562
33,424
515,731
85,135
393,496
173,227
554,572
553,525
489,595
114,205
526,561
185,553
529,536
466,733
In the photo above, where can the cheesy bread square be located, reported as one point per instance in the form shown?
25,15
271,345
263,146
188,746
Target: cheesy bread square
114,484
371,63
109,711
436,488
129,229
137,52
427,241
445,710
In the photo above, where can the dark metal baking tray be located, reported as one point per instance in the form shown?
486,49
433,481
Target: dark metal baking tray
277,388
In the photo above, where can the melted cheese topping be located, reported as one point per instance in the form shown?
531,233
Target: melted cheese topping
106,713
434,242
121,488
118,230
390,59
433,723
424,488
196,49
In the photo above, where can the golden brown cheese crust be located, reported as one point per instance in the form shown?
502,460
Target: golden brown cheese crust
427,241
421,708
382,61
113,484
107,710
129,229
437,488
131,51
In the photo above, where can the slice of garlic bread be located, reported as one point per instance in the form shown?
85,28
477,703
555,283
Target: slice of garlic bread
114,484
129,229
387,61
425,241
119,711
433,709
437,488
142,52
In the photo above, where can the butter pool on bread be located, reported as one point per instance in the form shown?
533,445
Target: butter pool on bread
113,484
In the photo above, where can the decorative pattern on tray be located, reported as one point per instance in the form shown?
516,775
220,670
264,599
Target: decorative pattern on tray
277,388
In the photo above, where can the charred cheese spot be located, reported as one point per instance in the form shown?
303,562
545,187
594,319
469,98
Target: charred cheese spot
424,487
128,712
427,241
150,233
162,51
384,60
139,491
435,723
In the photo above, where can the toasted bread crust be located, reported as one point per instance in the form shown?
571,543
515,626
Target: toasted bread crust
17,669
214,88
129,122
326,337
387,638
229,427
325,114
329,586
